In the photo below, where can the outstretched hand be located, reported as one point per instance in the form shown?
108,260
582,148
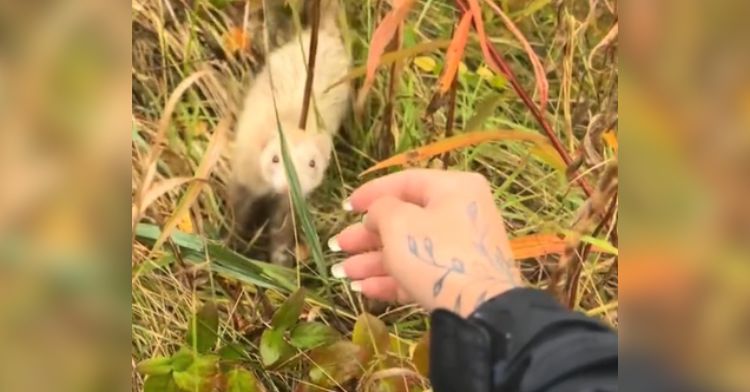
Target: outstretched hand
430,236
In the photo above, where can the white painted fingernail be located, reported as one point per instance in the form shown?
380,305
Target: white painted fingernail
338,271
346,205
356,286
333,244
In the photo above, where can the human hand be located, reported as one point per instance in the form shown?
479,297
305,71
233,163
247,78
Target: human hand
430,236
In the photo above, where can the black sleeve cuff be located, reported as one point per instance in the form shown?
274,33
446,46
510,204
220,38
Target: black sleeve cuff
521,340
524,315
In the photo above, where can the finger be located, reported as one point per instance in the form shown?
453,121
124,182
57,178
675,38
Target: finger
383,288
389,216
355,239
416,186
361,266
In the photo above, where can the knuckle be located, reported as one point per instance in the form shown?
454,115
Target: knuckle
478,181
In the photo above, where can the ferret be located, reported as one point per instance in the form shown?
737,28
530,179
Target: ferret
257,166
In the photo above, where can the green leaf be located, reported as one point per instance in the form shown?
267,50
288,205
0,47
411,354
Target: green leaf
203,330
398,347
289,312
371,334
204,365
161,383
310,335
421,355
233,352
484,110
300,204
182,359
241,380
273,348
155,366
602,244
197,377
499,81
224,261
221,4
187,381
184,240
335,364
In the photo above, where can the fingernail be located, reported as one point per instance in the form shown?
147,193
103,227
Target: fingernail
337,270
356,286
346,205
333,244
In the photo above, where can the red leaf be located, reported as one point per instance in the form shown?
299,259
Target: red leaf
497,64
487,50
380,38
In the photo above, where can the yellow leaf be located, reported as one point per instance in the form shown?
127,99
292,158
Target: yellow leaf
485,73
391,57
185,223
547,154
205,168
462,68
454,143
610,139
421,355
425,63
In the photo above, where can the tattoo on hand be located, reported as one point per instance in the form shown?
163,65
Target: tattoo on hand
457,266
457,304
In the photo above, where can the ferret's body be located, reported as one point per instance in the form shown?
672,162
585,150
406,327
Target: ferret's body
257,165
257,127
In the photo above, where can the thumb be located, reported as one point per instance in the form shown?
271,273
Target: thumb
388,216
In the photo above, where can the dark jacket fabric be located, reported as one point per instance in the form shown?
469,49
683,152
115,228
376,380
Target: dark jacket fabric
522,341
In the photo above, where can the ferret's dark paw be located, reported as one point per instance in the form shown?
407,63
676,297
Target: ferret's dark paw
375,307
282,257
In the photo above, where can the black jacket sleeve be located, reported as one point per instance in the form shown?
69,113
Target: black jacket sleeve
523,341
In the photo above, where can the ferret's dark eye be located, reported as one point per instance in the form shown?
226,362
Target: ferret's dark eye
275,159
311,163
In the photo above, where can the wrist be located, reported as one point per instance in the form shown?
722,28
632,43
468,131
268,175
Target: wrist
464,298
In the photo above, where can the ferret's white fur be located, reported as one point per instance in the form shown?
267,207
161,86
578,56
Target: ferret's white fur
256,138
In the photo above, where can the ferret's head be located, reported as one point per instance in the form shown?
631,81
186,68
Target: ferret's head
310,152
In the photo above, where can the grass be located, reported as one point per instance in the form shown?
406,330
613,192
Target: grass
172,42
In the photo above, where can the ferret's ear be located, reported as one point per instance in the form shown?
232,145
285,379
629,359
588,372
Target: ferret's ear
264,142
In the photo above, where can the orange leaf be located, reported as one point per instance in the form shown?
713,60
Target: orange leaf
453,143
542,86
455,53
452,62
236,40
380,39
538,245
